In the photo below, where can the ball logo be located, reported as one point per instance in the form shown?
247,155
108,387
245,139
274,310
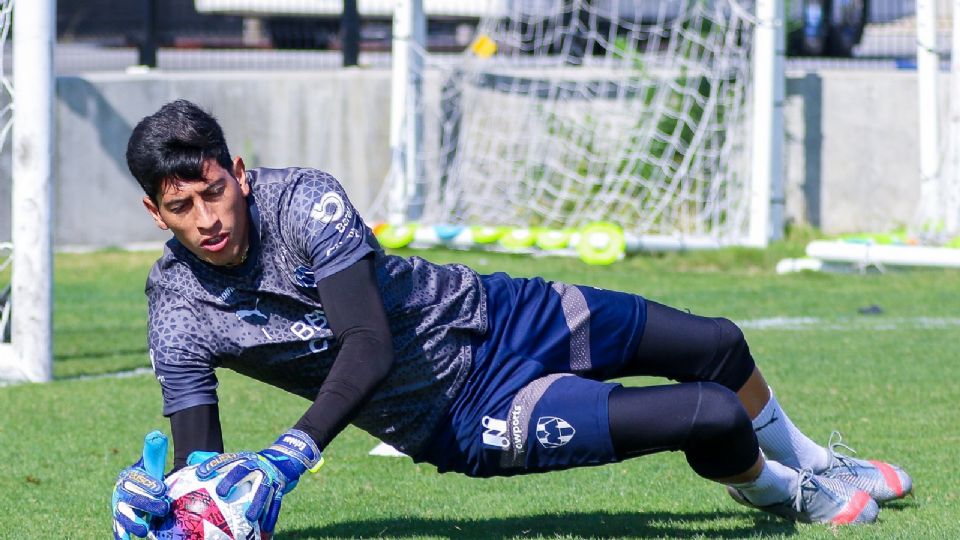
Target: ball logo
553,432
329,209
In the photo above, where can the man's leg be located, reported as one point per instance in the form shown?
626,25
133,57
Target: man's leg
707,422
686,347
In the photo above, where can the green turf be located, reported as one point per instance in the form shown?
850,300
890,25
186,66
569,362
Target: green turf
886,380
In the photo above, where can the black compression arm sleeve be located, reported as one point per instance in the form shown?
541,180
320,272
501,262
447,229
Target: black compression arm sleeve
353,306
195,428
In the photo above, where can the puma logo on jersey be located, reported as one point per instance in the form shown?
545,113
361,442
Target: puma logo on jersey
253,316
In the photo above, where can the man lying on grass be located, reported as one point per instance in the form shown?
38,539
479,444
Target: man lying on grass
273,274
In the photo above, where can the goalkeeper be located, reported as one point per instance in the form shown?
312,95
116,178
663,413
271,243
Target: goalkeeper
273,274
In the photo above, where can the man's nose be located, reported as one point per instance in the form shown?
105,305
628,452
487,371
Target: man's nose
206,216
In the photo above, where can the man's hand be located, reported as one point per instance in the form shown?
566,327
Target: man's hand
275,470
140,493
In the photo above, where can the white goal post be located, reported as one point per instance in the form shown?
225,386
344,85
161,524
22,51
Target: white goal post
661,117
29,354
938,215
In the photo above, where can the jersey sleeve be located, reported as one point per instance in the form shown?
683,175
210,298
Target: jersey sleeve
323,225
181,361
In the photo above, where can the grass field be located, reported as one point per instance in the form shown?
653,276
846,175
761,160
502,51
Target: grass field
887,380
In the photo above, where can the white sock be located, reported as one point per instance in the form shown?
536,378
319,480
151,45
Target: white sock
776,483
781,441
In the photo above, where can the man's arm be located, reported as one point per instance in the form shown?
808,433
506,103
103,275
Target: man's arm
353,306
354,310
195,428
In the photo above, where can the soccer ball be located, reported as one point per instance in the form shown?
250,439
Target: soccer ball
198,513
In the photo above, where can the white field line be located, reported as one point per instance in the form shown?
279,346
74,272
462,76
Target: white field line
862,322
114,375
794,324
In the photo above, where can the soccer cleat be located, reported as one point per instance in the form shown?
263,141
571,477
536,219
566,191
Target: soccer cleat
883,481
820,500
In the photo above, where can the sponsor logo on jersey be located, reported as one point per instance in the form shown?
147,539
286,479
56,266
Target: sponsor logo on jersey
226,294
303,277
314,329
329,209
553,432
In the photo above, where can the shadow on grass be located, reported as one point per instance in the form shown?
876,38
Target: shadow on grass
587,525
900,505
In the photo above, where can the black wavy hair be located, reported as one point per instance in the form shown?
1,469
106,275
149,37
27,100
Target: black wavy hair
173,144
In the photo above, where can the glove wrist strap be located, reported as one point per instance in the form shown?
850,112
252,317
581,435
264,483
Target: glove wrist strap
299,446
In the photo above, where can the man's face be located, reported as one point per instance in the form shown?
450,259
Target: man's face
209,215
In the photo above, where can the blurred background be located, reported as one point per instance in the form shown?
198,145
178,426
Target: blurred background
312,34
280,76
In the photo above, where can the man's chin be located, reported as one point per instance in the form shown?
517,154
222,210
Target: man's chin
225,257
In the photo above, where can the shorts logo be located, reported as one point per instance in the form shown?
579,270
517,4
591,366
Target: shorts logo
503,434
495,433
553,432
329,209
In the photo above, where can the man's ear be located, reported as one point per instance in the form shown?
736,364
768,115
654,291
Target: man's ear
240,173
154,212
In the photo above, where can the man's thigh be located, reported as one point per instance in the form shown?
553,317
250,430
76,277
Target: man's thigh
555,422
565,328
685,347
532,374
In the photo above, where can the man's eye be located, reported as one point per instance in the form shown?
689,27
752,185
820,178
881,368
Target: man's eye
178,208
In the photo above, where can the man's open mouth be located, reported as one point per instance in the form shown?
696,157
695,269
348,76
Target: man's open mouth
215,243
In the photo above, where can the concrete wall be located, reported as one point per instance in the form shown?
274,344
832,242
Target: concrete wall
336,121
851,160
852,157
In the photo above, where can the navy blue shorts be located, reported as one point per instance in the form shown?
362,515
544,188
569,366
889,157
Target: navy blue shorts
535,400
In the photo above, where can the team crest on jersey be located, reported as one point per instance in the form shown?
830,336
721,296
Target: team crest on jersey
553,432
330,208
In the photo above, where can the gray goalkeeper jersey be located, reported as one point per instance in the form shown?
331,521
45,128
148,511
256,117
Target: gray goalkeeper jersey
264,318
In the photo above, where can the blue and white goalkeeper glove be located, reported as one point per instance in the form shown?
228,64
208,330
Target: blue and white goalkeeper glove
278,469
140,493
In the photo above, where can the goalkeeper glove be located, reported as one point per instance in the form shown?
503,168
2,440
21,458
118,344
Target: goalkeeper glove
278,467
140,493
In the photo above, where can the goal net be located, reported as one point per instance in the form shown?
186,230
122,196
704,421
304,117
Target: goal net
6,123
567,113
6,259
